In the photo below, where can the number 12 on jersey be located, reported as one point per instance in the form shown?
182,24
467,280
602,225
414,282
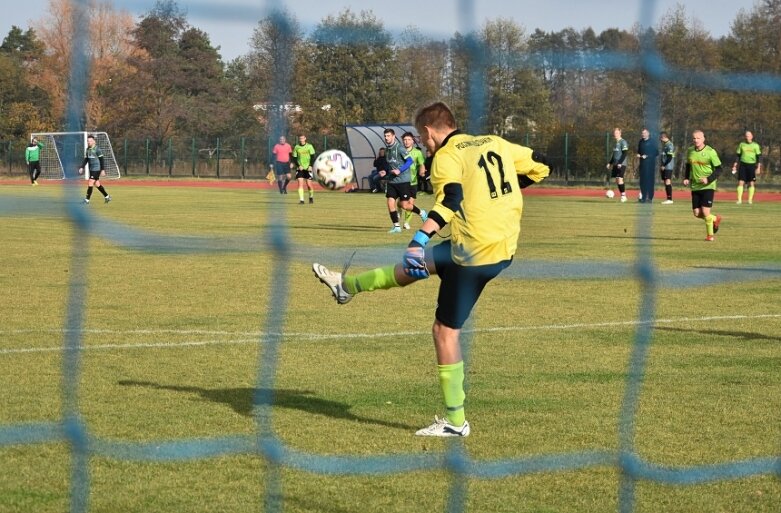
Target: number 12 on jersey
491,161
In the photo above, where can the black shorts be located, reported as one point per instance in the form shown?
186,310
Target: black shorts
460,286
617,172
666,174
281,168
34,166
747,172
703,198
94,175
303,173
401,190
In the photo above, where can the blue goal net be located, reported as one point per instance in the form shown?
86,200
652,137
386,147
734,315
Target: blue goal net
632,468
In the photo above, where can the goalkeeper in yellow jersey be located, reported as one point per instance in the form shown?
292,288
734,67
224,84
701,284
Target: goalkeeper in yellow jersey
477,183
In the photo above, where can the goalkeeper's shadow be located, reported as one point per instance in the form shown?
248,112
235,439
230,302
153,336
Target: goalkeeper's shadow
243,401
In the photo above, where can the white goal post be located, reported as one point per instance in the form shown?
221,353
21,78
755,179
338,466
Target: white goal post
63,153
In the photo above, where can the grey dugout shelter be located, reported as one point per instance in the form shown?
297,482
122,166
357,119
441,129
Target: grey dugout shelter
365,141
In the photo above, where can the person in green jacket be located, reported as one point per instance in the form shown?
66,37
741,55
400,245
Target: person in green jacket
703,168
32,156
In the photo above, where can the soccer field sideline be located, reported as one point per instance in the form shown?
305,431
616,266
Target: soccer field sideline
723,194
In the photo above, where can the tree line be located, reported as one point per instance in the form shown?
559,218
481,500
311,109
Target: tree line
159,77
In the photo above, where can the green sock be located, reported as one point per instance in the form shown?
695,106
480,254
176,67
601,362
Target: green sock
708,224
301,194
379,278
311,193
451,381
407,216
740,193
750,193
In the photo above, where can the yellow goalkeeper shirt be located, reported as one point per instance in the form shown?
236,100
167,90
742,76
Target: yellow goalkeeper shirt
486,223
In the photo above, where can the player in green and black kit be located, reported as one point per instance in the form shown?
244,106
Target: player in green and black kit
302,154
418,167
32,155
668,165
617,164
703,168
747,166
93,158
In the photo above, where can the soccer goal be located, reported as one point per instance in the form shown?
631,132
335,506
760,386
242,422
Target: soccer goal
63,153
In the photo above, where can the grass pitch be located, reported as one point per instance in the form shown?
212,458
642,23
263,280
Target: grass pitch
172,341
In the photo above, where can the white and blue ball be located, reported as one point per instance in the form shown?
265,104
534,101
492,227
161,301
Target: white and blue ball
333,169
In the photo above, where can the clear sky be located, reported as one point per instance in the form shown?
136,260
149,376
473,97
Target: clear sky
230,23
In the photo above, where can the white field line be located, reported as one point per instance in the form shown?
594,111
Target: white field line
257,336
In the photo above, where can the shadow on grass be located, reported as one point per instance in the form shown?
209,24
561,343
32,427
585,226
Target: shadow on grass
340,228
740,269
629,236
242,401
745,335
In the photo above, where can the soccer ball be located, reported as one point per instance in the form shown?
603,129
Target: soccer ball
610,194
333,169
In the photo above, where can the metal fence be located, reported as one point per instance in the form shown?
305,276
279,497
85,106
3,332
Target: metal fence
575,158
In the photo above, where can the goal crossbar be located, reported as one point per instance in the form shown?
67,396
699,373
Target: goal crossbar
62,153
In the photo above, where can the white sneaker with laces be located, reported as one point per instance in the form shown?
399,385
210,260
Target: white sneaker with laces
441,427
333,281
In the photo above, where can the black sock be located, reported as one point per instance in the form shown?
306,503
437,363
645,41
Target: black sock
621,188
279,185
89,192
394,217
668,188
103,191
415,209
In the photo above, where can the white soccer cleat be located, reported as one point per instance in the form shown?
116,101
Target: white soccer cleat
423,215
333,281
86,201
107,199
441,427
406,226
667,202
623,199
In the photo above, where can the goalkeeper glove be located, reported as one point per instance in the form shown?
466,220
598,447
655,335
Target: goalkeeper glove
414,262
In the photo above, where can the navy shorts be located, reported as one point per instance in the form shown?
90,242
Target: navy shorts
460,286
281,168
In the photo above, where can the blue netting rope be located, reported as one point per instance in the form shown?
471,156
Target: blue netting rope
455,460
